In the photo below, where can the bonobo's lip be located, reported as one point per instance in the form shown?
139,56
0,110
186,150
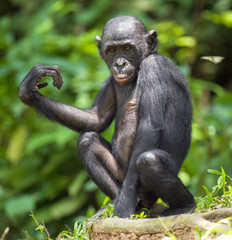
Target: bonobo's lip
123,77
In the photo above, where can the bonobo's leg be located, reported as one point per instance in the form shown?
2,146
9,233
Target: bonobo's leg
159,172
147,198
100,163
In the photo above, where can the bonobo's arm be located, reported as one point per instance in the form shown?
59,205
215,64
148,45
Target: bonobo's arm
146,139
95,119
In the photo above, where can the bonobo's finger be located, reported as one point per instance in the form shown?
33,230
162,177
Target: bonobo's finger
52,71
57,78
42,85
58,82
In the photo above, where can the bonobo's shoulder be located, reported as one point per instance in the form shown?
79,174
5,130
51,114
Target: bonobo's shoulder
163,67
157,60
160,58
164,63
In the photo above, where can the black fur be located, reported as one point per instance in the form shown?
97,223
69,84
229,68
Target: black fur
150,100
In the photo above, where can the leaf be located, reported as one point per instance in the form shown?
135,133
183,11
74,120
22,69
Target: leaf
16,145
20,205
208,193
77,184
213,171
213,59
90,186
219,182
106,200
199,233
59,136
64,207
40,227
223,181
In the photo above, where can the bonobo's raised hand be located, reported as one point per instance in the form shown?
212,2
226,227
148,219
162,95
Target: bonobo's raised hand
31,85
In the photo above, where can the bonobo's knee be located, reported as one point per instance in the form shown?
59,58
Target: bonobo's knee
86,139
147,159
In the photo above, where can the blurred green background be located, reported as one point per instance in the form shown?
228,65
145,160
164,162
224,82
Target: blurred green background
39,165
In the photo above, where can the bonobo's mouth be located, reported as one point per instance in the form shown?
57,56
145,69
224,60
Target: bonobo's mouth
122,78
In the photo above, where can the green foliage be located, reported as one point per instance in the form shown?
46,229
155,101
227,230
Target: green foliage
39,167
140,215
210,201
211,136
214,233
40,227
80,231
168,232
108,209
215,199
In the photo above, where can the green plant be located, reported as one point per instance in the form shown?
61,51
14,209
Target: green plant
41,227
213,198
107,209
80,232
211,233
167,231
140,215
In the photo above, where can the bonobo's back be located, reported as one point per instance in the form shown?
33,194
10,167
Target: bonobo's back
164,95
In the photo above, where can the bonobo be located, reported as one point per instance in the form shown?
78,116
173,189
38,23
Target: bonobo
150,100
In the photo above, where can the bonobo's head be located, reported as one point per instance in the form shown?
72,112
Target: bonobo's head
124,44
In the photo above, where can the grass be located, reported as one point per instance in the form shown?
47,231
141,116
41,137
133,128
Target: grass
80,231
216,234
219,196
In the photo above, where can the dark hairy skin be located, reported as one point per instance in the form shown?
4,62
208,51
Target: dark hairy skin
150,101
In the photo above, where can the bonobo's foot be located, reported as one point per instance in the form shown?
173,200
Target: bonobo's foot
151,208
157,210
177,211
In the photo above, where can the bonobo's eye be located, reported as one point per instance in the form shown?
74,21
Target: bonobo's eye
111,50
127,48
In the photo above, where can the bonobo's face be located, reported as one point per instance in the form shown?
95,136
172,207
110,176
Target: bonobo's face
123,47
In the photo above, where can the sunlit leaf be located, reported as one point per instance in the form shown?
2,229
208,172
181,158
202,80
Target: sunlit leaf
16,145
186,41
213,171
213,59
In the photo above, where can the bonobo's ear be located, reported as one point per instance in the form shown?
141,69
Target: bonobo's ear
99,45
151,38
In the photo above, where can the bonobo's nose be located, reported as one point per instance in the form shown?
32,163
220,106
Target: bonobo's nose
120,62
